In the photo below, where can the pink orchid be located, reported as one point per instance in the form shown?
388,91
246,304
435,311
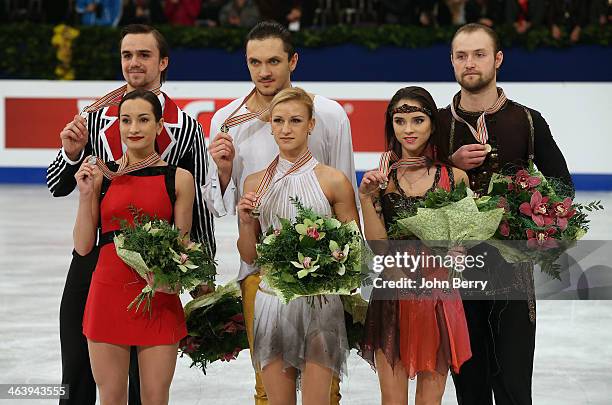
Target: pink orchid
524,181
563,212
312,232
504,229
307,262
184,258
537,209
277,232
541,239
338,255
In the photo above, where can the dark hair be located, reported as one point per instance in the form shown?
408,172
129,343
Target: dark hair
146,95
436,140
271,29
162,44
473,27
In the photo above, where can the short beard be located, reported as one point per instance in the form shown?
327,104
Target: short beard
476,87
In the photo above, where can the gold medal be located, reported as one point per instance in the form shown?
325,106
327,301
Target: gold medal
383,185
224,128
255,212
92,160
487,148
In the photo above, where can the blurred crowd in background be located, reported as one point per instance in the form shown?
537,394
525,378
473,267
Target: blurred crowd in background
557,15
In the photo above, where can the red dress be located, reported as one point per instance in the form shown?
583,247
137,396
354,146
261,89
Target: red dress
114,284
426,333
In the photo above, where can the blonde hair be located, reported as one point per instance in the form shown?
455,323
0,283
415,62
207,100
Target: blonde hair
293,94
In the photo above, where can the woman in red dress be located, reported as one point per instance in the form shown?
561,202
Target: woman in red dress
161,191
411,335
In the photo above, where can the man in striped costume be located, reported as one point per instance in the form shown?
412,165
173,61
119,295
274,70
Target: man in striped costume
144,62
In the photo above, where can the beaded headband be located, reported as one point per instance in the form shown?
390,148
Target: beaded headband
405,108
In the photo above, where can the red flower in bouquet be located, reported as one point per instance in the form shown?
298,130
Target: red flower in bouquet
189,344
231,355
504,228
523,181
239,318
541,239
235,324
503,203
537,209
563,212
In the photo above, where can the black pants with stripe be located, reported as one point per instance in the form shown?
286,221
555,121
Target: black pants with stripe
502,339
76,369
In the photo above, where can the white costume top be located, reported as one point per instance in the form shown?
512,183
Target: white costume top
303,330
330,143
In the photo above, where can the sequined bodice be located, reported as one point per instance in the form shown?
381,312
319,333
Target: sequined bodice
396,202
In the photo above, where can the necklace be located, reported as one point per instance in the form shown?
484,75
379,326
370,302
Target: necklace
410,184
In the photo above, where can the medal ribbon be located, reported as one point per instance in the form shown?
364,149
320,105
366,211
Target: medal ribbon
124,167
112,98
388,156
266,181
232,120
480,133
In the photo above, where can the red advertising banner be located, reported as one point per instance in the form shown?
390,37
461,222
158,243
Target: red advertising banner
37,122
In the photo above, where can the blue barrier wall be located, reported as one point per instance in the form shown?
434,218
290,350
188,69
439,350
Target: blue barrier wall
356,63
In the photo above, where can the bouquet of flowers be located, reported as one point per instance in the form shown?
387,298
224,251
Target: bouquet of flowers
312,255
216,328
158,253
540,212
446,219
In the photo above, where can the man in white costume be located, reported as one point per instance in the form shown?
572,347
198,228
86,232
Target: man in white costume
244,145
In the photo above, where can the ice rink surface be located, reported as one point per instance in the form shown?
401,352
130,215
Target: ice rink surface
573,358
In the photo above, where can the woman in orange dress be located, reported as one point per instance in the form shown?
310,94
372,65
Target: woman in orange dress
415,335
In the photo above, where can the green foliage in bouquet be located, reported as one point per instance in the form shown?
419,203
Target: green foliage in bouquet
216,328
355,310
154,247
448,218
539,211
312,255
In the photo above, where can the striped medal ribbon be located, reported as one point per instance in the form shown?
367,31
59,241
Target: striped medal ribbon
124,166
480,132
266,181
112,98
388,156
232,120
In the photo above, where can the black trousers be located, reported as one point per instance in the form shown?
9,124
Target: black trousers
503,341
76,369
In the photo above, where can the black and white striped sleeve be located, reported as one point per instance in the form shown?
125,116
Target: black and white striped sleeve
60,173
202,227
